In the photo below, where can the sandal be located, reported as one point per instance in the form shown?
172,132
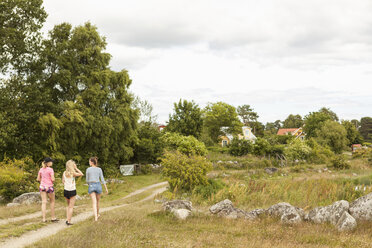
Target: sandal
68,223
55,220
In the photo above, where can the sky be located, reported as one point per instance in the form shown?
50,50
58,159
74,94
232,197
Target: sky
279,56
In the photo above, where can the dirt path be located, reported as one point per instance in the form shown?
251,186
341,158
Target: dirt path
51,229
38,214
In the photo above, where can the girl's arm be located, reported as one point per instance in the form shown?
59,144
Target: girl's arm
78,173
38,176
87,176
103,180
52,176
106,188
63,178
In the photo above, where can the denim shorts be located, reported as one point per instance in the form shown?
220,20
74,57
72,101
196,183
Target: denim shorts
95,187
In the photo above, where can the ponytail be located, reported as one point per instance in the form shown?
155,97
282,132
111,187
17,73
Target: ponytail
94,160
43,164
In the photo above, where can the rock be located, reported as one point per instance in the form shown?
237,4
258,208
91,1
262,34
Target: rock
181,214
79,198
346,223
221,206
177,204
254,214
13,204
286,212
158,201
271,170
2,199
361,208
354,174
331,213
28,198
226,209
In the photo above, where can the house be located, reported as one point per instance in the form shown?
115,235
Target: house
246,134
355,147
161,127
297,132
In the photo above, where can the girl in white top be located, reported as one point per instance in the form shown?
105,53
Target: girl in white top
69,192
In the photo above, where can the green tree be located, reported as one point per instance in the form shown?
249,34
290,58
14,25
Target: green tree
186,119
366,128
332,134
249,118
314,121
20,24
330,113
188,145
220,114
150,146
293,121
353,134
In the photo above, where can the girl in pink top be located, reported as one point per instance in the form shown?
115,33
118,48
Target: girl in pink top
46,178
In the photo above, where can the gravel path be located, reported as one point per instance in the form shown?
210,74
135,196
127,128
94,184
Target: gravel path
51,229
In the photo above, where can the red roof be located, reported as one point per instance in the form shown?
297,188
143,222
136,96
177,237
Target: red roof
285,131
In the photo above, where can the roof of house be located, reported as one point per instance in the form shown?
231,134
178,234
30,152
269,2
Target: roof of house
284,131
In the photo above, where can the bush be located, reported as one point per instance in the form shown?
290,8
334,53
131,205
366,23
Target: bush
261,147
240,147
339,162
185,172
319,154
297,150
206,191
188,145
14,180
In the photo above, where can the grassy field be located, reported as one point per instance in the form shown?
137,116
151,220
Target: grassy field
145,226
302,185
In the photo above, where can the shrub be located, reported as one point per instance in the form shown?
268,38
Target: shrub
339,162
297,150
188,145
319,154
261,147
185,172
14,180
212,187
240,147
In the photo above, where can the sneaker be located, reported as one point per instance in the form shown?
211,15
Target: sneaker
68,223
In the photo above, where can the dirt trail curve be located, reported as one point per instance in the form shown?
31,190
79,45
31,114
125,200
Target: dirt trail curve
51,229
38,214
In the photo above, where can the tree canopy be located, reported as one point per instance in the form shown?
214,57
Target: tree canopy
186,119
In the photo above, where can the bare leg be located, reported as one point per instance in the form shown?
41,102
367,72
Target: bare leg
68,204
52,198
71,208
94,205
43,204
98,196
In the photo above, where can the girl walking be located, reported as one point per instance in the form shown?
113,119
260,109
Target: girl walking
94,178
46,179
69,192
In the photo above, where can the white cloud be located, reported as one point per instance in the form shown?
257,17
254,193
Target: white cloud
281,57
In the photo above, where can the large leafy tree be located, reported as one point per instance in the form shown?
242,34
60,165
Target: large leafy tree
249,118
352,134
293,121
70,104
186,119
332,134
20,24
220,114
366,128
315,120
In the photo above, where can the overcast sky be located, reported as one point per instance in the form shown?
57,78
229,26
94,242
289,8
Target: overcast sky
279,56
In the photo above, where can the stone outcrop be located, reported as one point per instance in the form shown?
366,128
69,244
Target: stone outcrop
181,214
179,208
361,208
331,213
28,198
271,170
287,213
226,209
177,204
346,223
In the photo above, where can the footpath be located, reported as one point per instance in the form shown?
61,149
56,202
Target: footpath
53,228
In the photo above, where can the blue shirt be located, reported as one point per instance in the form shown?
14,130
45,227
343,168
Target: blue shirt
94,175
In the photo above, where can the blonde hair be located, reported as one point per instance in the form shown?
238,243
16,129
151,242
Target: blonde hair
43,164
70,168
